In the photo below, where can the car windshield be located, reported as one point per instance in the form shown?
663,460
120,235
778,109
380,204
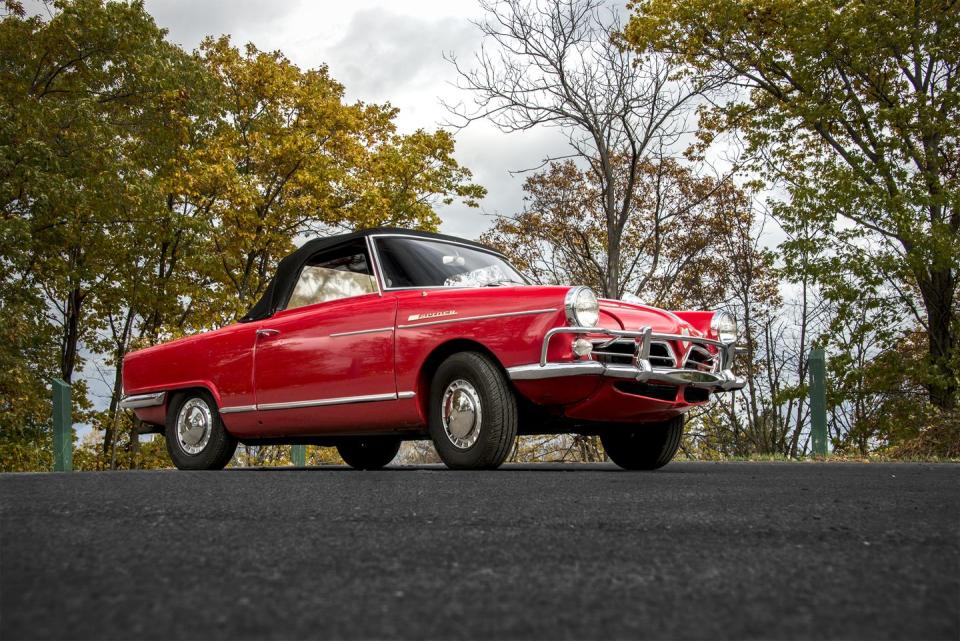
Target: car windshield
417,262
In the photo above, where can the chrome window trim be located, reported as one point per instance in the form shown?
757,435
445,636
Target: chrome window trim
319,402
357,332
376,251
374,264
136,401
441,240
446,321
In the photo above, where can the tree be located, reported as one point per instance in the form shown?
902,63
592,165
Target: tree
146,192
853,107
555,64
286,156
88,104
672,250
28,360
93,100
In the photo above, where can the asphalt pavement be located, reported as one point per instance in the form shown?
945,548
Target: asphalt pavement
696,550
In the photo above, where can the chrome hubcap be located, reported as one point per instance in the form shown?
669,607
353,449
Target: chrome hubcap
193,426
461,413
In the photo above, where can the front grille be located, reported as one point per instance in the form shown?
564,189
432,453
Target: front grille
623,352
700,359
619,352
662,356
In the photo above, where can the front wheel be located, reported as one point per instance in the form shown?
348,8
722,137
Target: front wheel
368,453
643,447
473,412
196,438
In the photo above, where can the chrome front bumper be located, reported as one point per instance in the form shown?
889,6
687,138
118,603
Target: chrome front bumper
721,379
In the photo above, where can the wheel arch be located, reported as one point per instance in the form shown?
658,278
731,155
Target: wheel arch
175,393
439,354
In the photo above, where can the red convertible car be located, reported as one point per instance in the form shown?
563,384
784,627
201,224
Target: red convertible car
367,339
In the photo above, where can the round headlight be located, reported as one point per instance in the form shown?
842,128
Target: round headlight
582,307
724,326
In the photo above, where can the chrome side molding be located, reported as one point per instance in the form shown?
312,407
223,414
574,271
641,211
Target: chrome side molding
464,319
142,400
318,402
357,332
237,409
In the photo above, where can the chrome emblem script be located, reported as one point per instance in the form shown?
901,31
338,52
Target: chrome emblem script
413,317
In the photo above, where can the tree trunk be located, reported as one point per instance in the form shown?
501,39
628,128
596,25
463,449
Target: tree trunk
121,343
134,444
612,284
937,290
71,335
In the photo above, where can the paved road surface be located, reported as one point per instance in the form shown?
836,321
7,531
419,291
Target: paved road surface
693,551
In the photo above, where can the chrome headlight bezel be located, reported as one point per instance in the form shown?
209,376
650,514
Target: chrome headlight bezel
724,325
582,307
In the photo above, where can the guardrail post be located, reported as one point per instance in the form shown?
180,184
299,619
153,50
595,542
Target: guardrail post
62,427
818,401
298,455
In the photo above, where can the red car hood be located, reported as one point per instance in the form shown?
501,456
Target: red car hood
616,314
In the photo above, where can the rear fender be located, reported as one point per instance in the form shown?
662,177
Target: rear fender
157,414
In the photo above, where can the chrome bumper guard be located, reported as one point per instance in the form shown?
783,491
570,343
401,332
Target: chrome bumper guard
142,400
722,379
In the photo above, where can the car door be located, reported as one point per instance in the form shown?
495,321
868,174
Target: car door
324,360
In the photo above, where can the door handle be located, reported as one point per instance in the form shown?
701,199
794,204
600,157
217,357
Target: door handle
267,332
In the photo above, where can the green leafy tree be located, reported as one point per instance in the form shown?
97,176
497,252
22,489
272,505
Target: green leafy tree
88,98
852,107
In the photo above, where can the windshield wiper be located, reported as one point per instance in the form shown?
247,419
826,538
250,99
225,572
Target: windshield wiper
501,283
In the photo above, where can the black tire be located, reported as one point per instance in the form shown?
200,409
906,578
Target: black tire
368,453
494,435
218,448
643,447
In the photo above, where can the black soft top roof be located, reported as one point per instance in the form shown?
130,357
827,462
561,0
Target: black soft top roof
283,281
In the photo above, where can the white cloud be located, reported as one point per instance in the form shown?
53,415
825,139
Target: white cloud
383,52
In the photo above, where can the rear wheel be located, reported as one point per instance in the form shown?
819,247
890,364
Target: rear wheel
473,412
368,453
643,447
196,437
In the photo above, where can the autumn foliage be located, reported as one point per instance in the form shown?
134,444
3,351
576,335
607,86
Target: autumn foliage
148,192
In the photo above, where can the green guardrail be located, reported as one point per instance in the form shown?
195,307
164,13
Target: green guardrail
817,365
298,455
62,427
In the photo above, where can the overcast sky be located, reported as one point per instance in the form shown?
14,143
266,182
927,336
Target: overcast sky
382,51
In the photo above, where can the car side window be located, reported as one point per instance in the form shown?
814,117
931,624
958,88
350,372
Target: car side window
334,274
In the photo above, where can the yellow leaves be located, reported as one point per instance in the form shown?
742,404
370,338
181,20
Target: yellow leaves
286,154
